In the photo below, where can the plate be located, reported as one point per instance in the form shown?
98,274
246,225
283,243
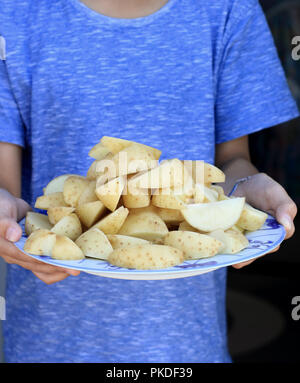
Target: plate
260,242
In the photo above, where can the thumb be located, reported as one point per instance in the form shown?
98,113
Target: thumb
22,207
10,230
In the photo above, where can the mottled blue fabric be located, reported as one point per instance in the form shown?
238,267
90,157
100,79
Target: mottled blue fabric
192,75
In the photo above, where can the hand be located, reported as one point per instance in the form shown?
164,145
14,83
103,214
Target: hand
12,210
262,192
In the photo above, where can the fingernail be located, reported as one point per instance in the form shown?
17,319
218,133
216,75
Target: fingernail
286,222
12,234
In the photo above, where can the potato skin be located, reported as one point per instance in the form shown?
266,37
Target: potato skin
146,257
194,245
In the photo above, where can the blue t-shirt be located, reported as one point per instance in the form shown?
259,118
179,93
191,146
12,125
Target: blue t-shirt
192,75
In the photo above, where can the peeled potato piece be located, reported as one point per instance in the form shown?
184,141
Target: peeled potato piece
194,245
56,213
45,202
184,226
169,173
90,212
65,249
110,193
117,241
73,187
170,216
134,158
167,199
251,219
233,241
203,172
134,198
99,151
219,190
146,257
68,226
35,221
115,145
145,225
57,184
94,244
215,215
113,222
40,242
88,194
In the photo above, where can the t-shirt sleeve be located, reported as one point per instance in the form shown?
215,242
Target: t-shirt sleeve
252,91
11,125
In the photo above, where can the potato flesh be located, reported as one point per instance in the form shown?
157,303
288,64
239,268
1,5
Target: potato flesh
35,221
56,213
215,215
68,226
94,244
251,219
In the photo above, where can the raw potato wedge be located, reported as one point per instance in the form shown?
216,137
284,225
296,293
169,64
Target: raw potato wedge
184,226
40,242
45,202
169,173
94,244
118,241
167,199
65,249
219,190
215,215
57,184
113,222
35,221
115,145
92,173
90,212
56,213
233,241
68,226
73,187
146,257
146,225
204,173
251,219
88,194
170,216
194,245
110,193
134,158
136,198
98,152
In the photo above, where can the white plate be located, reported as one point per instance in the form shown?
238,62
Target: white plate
260,242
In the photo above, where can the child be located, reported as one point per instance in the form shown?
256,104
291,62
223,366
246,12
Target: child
190,77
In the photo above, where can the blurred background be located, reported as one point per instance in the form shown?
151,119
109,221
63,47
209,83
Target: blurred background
259,297
260,325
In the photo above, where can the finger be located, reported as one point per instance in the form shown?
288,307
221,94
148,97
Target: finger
242,264
72,272
274,250
285,215
23,207
10,230
51,278
11,254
